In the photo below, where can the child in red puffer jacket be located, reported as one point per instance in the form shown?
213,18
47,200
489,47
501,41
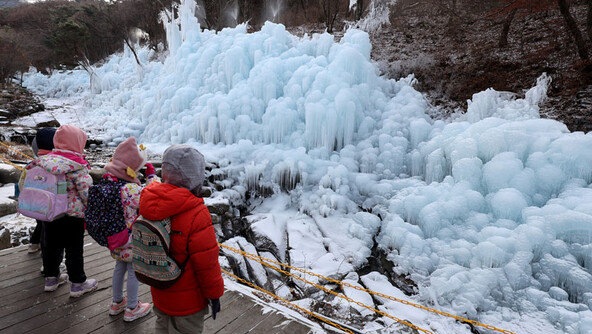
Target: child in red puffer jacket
183,306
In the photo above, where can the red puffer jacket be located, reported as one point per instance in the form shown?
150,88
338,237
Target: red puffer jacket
192,234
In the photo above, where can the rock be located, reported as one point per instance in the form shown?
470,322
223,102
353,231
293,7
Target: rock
215,218
97,174
219,208
5,239
91,141
247,267
216,175
9,174
18,101
8,208
359,295
210,166
268,234
206,192
49,124
219,232
20,237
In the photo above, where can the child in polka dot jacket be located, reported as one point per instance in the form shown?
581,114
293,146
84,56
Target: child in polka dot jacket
127,160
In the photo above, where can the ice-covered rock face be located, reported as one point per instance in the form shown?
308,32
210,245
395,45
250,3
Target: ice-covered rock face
490,213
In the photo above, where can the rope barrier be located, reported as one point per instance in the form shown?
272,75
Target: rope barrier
378,294
323,319
401,321
15,150
12,164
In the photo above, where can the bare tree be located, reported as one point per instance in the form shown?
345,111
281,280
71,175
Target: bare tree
330,11
12,57
304,5
572,28
360,9
503,42
589,20
510,8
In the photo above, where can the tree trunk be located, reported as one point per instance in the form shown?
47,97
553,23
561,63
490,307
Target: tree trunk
335,13
452,13
572,28
326,5
133,50
503,42
302,3
360,9
589,21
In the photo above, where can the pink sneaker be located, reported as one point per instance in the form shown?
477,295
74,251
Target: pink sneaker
141,310
117,308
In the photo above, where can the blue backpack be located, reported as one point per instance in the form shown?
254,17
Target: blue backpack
105,220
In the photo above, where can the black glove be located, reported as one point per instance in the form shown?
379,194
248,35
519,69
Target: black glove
215,306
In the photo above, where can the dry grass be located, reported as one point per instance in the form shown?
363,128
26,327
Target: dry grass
14,156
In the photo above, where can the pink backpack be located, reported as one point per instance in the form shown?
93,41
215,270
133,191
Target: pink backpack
44,195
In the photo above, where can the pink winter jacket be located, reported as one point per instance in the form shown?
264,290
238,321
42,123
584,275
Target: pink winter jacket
77,178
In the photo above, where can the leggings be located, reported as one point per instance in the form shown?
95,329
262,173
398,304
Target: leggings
132,284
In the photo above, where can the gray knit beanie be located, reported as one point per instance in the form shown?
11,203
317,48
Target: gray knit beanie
183,166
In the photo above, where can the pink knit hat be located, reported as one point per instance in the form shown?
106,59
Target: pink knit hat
70,138
127,155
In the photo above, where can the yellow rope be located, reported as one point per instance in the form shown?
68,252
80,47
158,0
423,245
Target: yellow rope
323,319
406,302
401,321
15,150
12,163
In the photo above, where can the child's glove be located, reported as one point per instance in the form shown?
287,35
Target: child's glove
215,306
150,169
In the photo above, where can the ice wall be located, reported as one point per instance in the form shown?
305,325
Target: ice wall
488,213
267,87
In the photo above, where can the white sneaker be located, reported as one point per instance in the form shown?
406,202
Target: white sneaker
117,308
78,289
52,283
140,311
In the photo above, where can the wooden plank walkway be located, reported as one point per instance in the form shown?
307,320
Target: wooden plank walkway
26,308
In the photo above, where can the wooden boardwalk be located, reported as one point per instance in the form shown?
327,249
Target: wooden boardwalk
26,308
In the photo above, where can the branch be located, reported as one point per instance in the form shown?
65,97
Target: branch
164,10
126,40
503,9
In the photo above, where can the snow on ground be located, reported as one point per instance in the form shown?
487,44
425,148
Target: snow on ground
7,190
19,227
488,213
64,111
272,307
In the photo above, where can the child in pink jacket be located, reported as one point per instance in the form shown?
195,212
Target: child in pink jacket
127,160
67,233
